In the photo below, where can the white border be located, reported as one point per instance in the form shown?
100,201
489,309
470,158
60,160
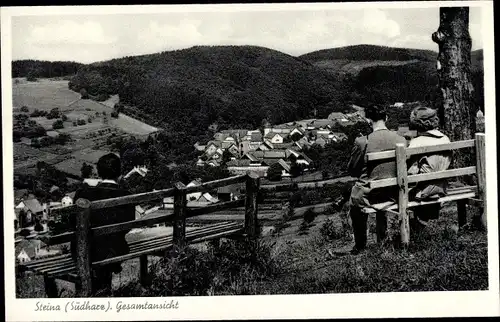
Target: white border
423,304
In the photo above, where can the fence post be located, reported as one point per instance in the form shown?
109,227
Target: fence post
251,205
402,179
481,174
180,200
83,264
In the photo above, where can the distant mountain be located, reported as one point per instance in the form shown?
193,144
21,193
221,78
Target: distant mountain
384,74
230,85
45,69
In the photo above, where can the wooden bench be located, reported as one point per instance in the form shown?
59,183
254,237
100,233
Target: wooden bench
79,271
469,194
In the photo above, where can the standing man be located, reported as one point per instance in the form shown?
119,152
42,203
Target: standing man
381,139
102,247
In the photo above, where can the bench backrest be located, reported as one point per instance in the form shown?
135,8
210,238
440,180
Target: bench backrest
400,154
181,212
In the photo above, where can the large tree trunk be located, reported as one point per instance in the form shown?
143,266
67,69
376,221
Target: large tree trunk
457,113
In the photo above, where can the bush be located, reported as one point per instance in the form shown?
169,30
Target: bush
38,113
114,114
330,231
81,122
309,215
64,117
53,114
89,120
25,109
75,123
58,125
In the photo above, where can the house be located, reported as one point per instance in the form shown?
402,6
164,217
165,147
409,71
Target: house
274,137
213,163
92,181
322,124
139,170
31,209
28,249
338,117
337,136
322,141
20,194
199,147
139,212
68,199
228,193
302,143
212,146
297,131
285,168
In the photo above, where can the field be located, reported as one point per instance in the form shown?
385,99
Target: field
89,155
25,155
71,166
346,66
43,95
132,126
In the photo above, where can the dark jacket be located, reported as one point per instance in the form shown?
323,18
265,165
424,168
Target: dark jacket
107,246
377,141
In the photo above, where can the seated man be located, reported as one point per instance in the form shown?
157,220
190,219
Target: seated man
102,247
381,139
425,121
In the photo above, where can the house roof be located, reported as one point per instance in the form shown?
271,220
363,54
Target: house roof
216,143
29,246
227,145
233,188
336,116
269,162
272,134
53,188
18,194
321,123
284,165
238,163
253,156
33,205
280,146
256,137
275,154
71,194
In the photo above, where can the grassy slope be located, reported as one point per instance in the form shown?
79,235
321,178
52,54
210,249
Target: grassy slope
439,259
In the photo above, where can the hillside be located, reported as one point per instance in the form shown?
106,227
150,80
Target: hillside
46,69
390,75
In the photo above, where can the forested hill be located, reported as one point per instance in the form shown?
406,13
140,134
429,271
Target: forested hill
231,85
377,73
46,69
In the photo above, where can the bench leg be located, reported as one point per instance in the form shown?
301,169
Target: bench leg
50,287
462,212
381,222
144,275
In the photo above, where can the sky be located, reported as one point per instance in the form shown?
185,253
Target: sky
91,38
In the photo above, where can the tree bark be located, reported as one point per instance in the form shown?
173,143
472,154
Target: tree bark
457,111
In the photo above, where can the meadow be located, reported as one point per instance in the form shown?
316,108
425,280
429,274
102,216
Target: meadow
310,258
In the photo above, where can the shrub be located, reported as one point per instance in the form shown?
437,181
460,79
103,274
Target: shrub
81,122
25,109
114,114
38,113
330,231
53,114
89,120
58,125
75,123
64,117
309,216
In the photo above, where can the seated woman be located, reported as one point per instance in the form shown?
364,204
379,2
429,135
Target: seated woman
425,121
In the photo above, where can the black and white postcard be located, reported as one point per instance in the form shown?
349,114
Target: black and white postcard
246,161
